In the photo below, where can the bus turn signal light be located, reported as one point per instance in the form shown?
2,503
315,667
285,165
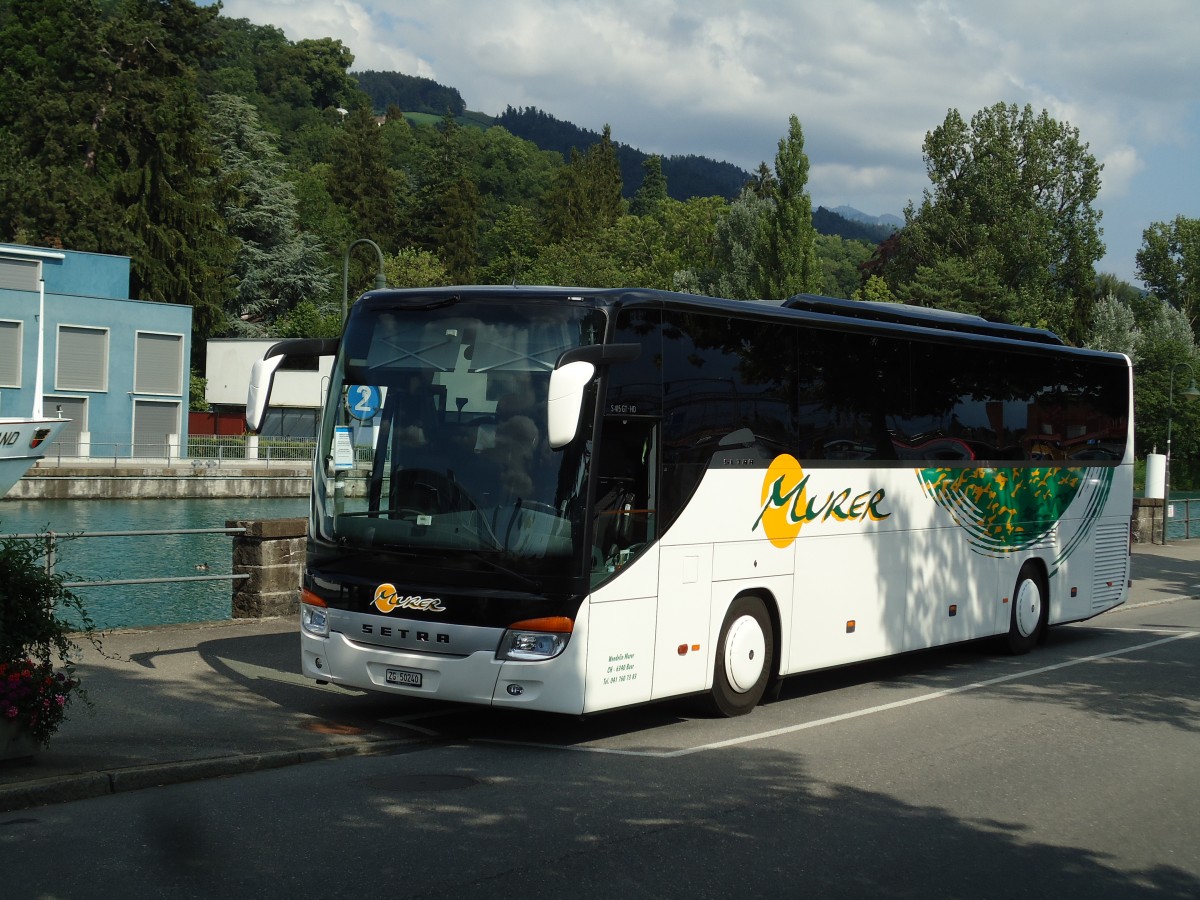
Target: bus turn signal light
307,596
555,624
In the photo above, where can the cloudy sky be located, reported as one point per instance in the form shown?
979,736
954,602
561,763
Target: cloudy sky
867,79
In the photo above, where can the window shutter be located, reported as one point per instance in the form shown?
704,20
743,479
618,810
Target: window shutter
10,354
19,274
82,359
159,364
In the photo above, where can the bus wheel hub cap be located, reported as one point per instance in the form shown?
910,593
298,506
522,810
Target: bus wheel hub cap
745,651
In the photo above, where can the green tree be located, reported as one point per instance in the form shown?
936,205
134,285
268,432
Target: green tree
1164,340
592,261
360,181
875,290
54,178
414,267
652,191
1169,264
735,238
318,214
310,319
689,256
786,253
155,136
1109,285
586,196
1114,328
448,205
277,265
115,155
1011,204
513,241
839,260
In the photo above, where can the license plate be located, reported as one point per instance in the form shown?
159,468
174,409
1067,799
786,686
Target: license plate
404,677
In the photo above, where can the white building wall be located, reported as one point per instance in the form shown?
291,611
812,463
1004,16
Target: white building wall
227,370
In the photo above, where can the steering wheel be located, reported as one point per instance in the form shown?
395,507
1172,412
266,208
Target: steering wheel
427,492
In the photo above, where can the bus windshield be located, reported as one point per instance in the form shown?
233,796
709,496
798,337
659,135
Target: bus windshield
434,438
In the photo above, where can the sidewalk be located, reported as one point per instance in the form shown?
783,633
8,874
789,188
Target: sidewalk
181,703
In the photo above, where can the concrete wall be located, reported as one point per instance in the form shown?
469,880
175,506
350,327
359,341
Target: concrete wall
127,482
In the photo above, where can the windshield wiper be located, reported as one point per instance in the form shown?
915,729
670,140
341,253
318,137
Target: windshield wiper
524,579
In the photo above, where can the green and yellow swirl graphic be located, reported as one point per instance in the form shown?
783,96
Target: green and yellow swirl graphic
1005,510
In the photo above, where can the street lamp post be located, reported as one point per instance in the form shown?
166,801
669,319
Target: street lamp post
380,279
1190,393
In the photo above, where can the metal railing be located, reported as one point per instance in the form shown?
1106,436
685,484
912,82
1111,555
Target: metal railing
1183,518
51,540
205,449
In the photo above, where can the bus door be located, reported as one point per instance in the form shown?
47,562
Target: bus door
624,571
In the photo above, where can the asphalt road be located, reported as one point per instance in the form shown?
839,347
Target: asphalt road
961,772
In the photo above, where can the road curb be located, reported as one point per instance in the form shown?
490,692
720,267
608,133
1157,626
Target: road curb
86,785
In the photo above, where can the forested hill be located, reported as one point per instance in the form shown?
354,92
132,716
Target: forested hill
410,93
826,221
687,176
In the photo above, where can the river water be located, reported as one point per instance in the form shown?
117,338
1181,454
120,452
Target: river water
104,558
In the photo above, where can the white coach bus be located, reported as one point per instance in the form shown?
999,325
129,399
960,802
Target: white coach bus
575,500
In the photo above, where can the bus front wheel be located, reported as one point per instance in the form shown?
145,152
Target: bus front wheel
1030,610
745,654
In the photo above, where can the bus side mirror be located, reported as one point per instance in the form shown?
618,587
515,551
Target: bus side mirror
565,401
262,376
262,373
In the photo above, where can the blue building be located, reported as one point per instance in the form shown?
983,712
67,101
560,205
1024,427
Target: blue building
115,366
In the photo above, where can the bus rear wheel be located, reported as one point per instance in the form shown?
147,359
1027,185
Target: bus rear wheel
745,653
1030,610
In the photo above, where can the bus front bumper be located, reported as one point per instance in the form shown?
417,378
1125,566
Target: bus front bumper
476,678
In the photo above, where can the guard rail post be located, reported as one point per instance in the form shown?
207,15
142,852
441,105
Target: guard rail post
271,553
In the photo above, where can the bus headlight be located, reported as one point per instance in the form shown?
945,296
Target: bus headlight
535,639
314,616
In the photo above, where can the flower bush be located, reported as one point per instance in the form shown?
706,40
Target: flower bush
36,696
39,621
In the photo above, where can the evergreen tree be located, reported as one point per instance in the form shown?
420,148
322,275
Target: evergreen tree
54,172
604,180
457,233
652,192
449,204
586,196
360,182
277,265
